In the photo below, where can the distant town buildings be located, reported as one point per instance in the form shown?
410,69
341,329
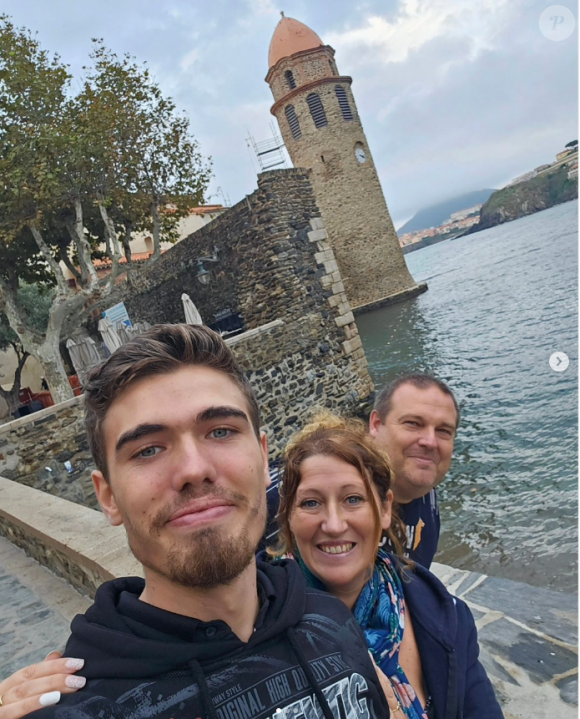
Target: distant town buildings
458,222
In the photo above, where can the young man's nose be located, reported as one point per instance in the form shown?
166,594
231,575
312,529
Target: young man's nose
192,465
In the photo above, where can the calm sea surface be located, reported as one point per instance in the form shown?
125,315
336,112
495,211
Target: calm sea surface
499,303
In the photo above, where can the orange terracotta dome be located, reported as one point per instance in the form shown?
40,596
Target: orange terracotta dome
291,36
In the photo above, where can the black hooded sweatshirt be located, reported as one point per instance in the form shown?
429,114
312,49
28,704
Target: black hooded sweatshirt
307,658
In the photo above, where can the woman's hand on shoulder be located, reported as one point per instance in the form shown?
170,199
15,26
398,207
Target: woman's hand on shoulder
39,685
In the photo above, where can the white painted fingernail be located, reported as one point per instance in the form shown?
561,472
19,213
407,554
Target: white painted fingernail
48,699
75,663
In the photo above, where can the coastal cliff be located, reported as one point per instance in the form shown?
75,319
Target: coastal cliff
525,198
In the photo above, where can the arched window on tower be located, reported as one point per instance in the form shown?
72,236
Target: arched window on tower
290,113
316,110
289,75
343,102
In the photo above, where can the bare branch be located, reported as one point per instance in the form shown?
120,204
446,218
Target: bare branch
156,229
127,248
49,257
66,260
83,245
112,235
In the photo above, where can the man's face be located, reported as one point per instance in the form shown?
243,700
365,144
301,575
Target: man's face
187,475
418,435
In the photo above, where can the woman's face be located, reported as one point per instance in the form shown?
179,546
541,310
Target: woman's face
334,525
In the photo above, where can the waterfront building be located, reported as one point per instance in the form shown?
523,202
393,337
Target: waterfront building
322,130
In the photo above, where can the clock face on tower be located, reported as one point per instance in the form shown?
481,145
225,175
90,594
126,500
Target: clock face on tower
360,155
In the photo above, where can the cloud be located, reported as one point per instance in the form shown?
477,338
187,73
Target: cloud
418,22
189,59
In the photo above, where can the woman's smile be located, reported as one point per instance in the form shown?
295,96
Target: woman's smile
334,549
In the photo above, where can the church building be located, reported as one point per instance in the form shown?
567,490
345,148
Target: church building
322,131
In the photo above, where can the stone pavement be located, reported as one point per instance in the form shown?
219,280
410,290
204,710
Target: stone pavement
528,640
36,609
528,636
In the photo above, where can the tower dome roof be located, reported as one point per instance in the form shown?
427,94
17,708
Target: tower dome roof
291,36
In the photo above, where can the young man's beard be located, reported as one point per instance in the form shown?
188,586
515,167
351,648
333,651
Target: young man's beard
208,558
212,560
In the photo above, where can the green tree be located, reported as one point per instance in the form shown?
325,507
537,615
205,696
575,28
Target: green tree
573,143
81,170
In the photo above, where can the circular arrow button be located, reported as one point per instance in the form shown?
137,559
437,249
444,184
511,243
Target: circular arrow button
559,361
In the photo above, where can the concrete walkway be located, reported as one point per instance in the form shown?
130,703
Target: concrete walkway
528,636
528,640
36,610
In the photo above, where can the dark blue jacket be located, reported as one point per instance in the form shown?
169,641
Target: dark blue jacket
447,641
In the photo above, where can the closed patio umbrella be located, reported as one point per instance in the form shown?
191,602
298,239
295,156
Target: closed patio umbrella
192,316
76,357
89,349
109,335
125,334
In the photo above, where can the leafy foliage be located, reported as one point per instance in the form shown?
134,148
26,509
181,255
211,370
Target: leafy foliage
82,172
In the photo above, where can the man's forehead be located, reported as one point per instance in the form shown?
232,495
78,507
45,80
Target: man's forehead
408,398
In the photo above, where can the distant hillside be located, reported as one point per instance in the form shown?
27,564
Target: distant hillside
525,198
436,214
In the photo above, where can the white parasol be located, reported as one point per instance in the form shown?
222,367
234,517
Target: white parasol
109,335
192,316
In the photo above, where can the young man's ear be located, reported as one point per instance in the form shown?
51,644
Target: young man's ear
106,499
264,448
375,423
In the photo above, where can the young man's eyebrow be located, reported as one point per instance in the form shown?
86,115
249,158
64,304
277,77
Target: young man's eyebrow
143,430
221,412
138,432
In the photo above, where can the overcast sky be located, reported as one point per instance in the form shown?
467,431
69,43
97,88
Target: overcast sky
454,95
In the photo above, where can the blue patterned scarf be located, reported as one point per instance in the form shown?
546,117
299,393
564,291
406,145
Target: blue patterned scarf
380,612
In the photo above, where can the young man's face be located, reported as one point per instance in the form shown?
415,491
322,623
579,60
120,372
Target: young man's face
418,435
187,475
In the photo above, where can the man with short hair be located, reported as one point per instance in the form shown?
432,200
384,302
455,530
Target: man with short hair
414,420
173,426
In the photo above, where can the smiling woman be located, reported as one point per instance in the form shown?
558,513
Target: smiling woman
336,503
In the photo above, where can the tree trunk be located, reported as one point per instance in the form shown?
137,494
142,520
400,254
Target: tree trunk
128,253
156,230
55,372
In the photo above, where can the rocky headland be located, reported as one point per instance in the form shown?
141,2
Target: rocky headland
525,198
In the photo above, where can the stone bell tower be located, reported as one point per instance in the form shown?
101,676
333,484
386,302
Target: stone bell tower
321,127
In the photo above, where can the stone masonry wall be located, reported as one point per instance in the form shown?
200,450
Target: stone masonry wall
33,451
348,193
301,349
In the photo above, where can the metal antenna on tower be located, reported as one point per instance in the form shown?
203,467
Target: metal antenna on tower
269,153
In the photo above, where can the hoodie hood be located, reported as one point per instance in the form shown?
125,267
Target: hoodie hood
122,637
